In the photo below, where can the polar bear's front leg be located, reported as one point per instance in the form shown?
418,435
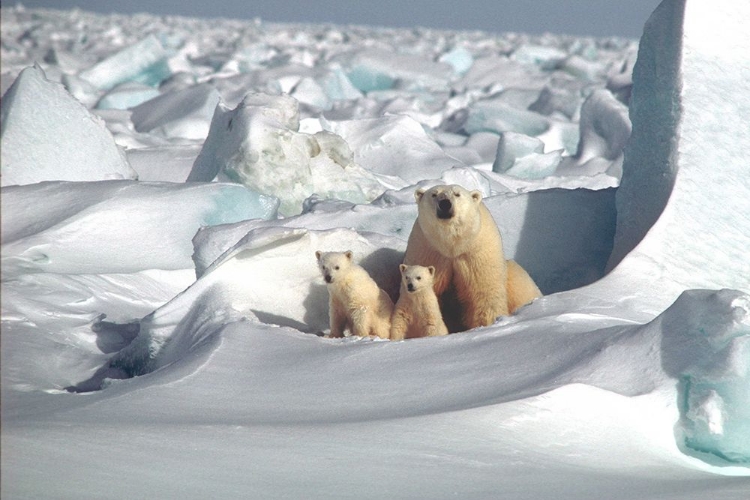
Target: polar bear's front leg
399,325
338,320
361,321
481,291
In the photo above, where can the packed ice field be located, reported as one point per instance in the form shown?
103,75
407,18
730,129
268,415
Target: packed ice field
167,181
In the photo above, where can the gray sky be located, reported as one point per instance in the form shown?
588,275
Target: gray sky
575,17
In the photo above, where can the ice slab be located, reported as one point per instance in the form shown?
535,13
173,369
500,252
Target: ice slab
127,95
47,135
163,163
375,69
604,127
494,115
144,62
690,100
183,113
110,226
395,146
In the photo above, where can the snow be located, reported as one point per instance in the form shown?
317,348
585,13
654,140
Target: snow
162,337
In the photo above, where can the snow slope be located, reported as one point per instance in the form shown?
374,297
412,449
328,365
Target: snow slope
161,338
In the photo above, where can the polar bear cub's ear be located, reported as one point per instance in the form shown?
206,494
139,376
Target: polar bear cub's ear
418,194
348,254
476,196
318,254
431,270
402,268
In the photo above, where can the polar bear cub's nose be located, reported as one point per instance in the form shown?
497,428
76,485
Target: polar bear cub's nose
444,205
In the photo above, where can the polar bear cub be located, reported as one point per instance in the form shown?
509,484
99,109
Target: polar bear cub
355,303
417,312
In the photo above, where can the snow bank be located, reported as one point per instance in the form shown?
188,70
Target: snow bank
237,284
38,143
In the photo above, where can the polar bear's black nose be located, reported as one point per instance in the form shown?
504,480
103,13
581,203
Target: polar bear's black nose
328,278
445,205
410,287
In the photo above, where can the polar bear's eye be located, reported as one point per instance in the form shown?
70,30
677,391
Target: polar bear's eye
419,278
336,268
457,195
434,195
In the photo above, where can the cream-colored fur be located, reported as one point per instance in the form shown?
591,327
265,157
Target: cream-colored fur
417,312
455,233
355,303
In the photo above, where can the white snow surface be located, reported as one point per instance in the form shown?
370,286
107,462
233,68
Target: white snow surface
162,337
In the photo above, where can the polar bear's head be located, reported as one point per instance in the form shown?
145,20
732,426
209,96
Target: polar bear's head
447,202
333,264
416,278
450,217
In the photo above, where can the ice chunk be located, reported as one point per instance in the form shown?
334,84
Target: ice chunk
547,58
395,146
459,58
257,144
500,71
144,62
163,163
375,69
337,85
513,146
605,127
497,116
708,349
183,113
45,134
309,92
115,226
682,207
127,95
536,166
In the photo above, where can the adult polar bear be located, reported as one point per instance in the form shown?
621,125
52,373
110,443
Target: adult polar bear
455,233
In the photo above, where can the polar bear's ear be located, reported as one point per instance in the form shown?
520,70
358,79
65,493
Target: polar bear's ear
402,268
348,254
431,269
318,253
418,194
476,196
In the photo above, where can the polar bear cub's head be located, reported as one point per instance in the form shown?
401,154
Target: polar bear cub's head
333,264
416,278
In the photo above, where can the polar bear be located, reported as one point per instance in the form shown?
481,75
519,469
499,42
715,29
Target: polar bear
417,312
455,233
355,301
